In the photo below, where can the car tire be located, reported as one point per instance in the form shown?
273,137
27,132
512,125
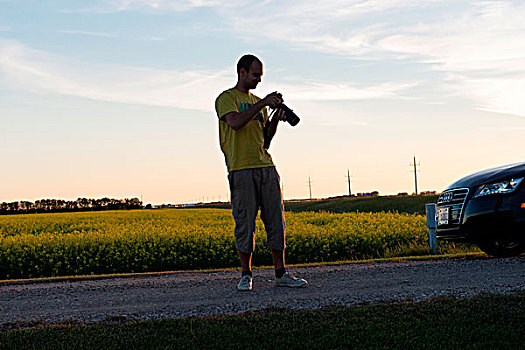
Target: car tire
503,248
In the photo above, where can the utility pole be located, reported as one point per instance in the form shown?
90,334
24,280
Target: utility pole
415,165
310,186
349,186
282,190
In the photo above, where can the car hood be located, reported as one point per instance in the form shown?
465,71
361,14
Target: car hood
490,175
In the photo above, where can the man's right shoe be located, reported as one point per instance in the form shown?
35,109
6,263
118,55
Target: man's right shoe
288,280
245,283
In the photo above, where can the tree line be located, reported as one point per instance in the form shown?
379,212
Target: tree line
60,205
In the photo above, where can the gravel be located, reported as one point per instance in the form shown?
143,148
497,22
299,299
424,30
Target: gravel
214,293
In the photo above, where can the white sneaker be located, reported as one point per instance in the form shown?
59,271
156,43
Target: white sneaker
288,280
245,283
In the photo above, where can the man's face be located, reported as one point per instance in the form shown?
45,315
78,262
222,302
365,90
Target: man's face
253,76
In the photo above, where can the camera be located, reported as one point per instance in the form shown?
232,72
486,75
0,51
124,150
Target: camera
291,117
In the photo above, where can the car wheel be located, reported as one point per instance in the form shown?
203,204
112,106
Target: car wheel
503,248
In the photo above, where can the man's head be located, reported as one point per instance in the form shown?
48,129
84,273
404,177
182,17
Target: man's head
249,72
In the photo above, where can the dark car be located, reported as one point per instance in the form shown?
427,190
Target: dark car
486,208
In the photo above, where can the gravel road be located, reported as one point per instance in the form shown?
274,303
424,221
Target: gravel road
214,293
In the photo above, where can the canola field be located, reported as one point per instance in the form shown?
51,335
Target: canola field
66,244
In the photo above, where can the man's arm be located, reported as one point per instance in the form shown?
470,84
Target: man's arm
239,119
271,127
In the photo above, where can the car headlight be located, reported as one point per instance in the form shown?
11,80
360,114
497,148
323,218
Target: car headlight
500,187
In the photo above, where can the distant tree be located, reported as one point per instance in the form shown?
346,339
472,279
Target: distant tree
25,206
60,205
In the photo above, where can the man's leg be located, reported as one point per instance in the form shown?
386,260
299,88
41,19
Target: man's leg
278,262
282,278
272,215
278,259
246,261
245,284
244,209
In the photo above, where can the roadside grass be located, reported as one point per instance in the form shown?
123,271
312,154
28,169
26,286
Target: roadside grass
71,278
481,322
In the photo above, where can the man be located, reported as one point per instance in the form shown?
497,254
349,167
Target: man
254,182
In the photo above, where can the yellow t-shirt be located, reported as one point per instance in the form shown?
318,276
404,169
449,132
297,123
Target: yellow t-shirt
243,148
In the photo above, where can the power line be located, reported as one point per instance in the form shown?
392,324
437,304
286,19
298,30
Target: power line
415,165
348,176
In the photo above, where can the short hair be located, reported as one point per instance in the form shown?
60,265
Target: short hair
246,62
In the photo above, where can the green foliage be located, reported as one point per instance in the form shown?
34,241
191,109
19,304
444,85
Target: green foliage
43,245
400,204
394,204
483,322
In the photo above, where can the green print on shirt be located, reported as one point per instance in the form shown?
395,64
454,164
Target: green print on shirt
244,106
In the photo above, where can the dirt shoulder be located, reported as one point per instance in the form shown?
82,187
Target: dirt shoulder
214,293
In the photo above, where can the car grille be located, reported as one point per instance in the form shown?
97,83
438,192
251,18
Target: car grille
454,200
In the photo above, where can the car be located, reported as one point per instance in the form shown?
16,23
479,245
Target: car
486,208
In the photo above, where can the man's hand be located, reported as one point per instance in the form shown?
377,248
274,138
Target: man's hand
273,99
239,119
271,127
279,115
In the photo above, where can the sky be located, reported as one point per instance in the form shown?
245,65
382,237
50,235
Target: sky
116,98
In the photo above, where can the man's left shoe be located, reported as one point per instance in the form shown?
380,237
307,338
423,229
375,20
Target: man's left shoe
288,280
245,284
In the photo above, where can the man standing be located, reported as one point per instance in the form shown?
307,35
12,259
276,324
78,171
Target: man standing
254,182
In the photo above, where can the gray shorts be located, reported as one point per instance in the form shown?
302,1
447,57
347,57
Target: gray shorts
252,189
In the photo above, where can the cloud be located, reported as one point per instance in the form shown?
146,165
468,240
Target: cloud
36,71
40,72
482,54
164,5
112,6
297,8
329,91
501,94
81,32
479,47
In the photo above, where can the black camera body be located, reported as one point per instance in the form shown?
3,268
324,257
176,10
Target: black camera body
291,117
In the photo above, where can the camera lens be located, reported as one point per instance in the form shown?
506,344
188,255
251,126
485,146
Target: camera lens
292,118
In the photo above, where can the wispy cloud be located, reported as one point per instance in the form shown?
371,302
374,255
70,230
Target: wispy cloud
330,91
481,52
503,94
110,6
479,46
478,49
179,5
81,32
33,70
